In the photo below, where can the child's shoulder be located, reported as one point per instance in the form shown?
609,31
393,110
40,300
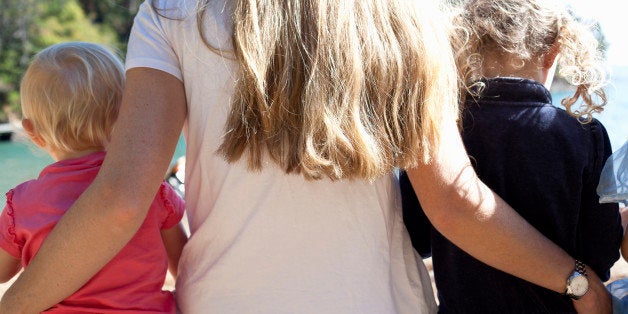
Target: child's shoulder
21,202
561,118
167,193
22,189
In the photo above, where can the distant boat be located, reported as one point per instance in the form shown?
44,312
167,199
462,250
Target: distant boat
6,131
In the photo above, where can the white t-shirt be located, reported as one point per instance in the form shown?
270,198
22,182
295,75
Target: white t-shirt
268,242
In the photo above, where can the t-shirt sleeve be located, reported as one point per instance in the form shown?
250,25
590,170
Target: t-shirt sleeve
149,45
7,229
174,205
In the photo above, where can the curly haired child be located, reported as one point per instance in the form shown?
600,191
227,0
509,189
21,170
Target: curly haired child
543,160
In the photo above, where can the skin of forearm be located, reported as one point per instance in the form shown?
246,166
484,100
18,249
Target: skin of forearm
624,247
96,227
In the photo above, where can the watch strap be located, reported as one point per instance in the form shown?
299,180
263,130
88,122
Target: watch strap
580,267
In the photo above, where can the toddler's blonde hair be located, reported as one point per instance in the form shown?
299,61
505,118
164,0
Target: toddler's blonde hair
527,30
72,93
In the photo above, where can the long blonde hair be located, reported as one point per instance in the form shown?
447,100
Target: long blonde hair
528,30
338,89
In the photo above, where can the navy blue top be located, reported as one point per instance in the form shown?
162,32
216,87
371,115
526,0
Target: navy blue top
546,165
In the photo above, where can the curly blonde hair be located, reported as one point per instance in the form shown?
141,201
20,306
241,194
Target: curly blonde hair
528,30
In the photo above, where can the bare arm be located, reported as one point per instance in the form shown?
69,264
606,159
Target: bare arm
111,210
9,266
469,214
623,210
597,299
174,240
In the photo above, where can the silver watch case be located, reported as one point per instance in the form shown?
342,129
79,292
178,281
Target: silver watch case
577,285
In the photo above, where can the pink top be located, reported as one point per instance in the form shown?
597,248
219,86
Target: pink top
131,282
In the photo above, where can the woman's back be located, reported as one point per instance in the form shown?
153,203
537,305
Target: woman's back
264,241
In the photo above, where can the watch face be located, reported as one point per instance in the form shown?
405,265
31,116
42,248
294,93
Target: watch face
579,285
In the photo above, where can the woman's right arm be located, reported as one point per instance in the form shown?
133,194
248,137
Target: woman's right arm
470,215
111,210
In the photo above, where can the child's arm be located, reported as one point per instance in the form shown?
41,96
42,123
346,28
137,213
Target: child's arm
174,240
419,227
624,242
9,266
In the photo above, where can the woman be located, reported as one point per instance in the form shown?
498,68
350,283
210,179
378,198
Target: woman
294,114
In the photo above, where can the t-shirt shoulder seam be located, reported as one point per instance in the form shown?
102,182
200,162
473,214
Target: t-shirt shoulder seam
154,64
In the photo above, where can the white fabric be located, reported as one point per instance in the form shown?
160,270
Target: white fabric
266,242
613,186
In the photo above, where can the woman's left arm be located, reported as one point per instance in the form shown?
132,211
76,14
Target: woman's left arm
477,220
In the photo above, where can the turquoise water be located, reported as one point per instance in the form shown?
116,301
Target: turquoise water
21,161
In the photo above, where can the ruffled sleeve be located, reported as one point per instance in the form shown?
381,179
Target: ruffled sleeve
173,203
8,238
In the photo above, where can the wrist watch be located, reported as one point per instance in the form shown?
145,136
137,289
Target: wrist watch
577,282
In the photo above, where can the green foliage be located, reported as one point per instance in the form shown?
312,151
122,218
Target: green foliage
117,14
64,20
16,18
27,26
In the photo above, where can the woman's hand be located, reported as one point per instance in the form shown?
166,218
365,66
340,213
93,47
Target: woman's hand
597,300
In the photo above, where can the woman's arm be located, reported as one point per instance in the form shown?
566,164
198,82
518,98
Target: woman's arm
111,210
470,215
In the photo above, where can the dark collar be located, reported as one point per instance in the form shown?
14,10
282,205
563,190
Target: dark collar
512,90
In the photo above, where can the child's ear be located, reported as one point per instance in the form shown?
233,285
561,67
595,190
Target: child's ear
549,65
550,56
28,126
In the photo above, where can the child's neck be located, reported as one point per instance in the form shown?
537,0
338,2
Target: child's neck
58,156
497,64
